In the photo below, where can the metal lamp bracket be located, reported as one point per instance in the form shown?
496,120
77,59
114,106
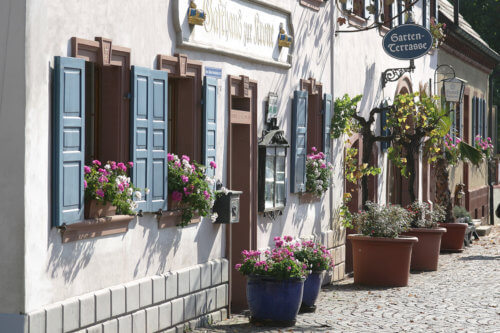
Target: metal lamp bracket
393,74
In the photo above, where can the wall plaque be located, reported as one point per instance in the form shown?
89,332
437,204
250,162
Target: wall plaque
246,29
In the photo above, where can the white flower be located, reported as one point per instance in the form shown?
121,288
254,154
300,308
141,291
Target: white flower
214,216
107,167
138,195
146,190
130,191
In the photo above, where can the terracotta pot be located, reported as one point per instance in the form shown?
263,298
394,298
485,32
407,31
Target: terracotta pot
453,239
95,209
425,253
380,261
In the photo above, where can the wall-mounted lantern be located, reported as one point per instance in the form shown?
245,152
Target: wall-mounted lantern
272,183
454,89
195,16
284,40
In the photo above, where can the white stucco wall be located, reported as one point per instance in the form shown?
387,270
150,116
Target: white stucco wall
359,62
12,118
56,271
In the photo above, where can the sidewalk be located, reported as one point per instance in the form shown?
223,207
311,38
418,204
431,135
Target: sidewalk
462,296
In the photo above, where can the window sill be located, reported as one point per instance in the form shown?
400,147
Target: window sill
312,4
383,29
357,20
92,228
307,198
172,218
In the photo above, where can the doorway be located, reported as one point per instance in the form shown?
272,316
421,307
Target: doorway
242,176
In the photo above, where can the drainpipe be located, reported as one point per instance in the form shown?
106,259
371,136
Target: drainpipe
456,9
332,77
492,131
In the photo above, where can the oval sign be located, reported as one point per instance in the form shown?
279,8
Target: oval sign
407,41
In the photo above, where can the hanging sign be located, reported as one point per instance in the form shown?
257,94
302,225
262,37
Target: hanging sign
407,41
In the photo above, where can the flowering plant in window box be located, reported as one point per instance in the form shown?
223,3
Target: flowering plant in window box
437,32
318,173
189,187
108,185
484,145
452,151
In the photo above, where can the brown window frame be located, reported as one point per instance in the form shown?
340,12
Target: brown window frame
314,115
312,4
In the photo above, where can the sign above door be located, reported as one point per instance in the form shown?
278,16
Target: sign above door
239,28
407,41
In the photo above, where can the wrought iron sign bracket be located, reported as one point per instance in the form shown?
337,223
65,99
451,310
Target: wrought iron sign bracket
393,74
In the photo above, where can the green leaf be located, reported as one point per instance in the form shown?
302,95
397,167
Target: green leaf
472,154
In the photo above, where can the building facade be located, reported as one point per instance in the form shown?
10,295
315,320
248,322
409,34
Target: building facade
130,82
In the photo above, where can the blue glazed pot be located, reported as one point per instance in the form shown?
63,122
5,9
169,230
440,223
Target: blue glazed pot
275,301
312,286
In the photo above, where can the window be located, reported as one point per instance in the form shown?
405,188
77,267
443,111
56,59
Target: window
426,13
359,8
387,16
107,86
311,116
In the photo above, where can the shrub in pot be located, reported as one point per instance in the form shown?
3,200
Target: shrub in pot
275,283
380,256
424,226
317,259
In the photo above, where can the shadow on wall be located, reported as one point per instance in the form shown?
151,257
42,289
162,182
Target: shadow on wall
369,98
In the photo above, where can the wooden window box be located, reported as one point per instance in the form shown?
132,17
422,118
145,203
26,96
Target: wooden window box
306,198
92,228
313,4
173,218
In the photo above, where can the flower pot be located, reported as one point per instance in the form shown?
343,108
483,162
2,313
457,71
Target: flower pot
453,239
273,301
312,286
425,253
95,209
380,261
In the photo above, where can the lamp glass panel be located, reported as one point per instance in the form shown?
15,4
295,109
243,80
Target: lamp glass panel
280,181
269,181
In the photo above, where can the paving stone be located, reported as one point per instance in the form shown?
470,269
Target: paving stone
158,289
102,304
462,296
183,282
194,279
125,324
145,292
189,307
165,316
37,322
118,301
152,319
87,310
71,315
54,318
216,272
170,286
132,296
177,311
110,326
139,322
206,275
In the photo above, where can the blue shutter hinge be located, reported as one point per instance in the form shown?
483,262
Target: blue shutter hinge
127,96
139,213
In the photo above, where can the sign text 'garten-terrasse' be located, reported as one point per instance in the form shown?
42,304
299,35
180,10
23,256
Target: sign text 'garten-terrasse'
407,41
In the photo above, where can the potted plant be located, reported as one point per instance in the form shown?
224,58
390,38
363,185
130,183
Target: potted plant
189,188
380,256
275,283
317,259
424,226
318,173
108,189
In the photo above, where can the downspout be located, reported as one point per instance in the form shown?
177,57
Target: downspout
492,130
332,76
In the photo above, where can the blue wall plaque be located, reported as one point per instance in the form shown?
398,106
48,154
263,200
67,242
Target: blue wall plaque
213,72
407,41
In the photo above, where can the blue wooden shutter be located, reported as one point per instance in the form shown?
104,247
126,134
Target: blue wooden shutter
377,11
299,142
149,122
159,149
399,6
327,119
209,122
436,11
68,135
426,14
473,136
485,119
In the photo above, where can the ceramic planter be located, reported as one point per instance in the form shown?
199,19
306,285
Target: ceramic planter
380,261
273,301
425,253
453,239
312,287
95,209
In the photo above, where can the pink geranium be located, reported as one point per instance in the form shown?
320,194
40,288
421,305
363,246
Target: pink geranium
176,196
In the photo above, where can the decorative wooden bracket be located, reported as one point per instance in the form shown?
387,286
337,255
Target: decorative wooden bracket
244,86
105,48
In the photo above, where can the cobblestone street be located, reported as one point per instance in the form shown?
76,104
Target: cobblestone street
462,296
